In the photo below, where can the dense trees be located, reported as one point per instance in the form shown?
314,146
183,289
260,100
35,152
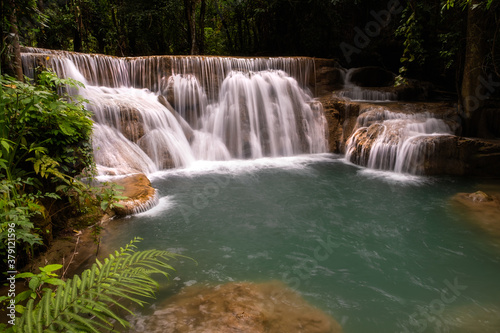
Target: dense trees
448,42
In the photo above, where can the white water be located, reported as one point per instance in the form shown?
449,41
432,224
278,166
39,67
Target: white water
236,108
356,93
398,140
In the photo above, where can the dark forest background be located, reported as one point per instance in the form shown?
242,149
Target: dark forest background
454,44
431,34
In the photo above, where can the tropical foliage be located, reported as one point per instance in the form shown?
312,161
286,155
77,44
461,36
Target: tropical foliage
44,147
91,301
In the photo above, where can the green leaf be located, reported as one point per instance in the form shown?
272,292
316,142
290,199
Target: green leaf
50,268
85,303
67,129
23,296
19,308
6,145
34,283
54,281
24,275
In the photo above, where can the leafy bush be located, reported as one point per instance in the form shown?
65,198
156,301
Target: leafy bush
44,145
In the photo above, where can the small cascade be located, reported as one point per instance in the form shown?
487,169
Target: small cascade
153,113
393,141
356,93
141,207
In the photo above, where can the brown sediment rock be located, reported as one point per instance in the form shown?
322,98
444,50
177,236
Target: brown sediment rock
329,76
454,155
131,123
341,117
445,154
139,192
268,307
481,209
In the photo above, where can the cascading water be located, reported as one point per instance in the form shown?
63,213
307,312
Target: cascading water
392,141
356,93
162,112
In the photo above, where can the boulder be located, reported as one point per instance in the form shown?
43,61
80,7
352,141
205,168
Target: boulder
141,195
131,123
268,307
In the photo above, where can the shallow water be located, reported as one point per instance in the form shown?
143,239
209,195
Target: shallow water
379,251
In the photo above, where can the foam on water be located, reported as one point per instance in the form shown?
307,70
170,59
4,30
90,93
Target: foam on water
394,177
235,167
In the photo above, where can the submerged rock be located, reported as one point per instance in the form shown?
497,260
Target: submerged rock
473,318
479,196
238,307
482,209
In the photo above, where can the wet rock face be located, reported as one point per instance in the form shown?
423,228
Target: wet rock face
444,154
238,307
139,192
363,142
461,156
131,123
329,76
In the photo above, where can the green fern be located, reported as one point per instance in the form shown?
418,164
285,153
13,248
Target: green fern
83,303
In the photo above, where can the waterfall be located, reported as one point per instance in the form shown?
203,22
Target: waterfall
393,141
153,113
360,94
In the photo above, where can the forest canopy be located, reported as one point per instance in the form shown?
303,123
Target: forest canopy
427,36
452,43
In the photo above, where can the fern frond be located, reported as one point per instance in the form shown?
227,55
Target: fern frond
83,303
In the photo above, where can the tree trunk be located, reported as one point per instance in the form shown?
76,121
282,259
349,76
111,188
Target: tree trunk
474,93
77,33
201,25
189,9
17,65
226,29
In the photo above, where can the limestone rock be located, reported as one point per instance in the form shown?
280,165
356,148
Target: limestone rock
454,155
329,76
139,192
131,123
238,307
480,196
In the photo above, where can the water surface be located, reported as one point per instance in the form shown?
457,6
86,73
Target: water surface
380,252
